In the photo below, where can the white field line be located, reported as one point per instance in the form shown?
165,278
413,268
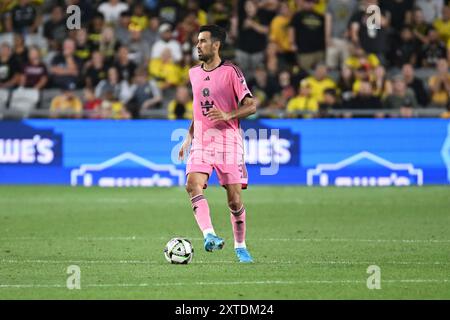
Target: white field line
147,201
132,238
223,283
274,262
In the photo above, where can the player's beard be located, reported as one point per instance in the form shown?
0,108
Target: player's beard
205,57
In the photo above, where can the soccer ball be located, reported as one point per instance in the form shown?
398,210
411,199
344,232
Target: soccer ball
179,251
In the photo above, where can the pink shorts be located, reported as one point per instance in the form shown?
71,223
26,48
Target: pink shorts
230,168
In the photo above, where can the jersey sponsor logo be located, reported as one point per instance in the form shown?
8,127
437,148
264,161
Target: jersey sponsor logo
375,171
127,170
206,106
24,145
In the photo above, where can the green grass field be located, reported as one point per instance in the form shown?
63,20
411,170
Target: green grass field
308,243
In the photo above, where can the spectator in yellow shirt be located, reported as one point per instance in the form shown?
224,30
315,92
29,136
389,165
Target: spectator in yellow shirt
164,71
139,17
442,25
181,106
440,84
320,82
359,58
304,104
279,29
67,104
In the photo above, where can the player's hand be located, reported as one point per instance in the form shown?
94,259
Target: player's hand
184,148
218,115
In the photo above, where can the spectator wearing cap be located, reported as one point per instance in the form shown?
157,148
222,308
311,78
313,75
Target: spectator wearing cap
337,18
304,105
112,9
415,84
67,104
401,97
34,73
65,67
439,84
166,42
307,35
320,81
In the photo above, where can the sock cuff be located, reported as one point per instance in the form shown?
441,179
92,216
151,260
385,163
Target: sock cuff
197,198
237,212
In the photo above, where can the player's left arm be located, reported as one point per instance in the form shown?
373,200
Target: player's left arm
247,108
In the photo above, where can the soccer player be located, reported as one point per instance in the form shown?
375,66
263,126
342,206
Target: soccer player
221,98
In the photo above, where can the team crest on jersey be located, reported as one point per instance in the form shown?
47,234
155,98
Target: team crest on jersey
206,106
206,92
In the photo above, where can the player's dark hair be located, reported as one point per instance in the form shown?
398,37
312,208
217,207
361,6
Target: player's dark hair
217,33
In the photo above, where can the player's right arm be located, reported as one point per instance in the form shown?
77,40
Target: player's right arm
187,142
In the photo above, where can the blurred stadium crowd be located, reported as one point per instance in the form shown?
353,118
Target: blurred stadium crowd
301,58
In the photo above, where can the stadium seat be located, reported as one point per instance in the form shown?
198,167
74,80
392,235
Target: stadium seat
24,100
47,97
8,38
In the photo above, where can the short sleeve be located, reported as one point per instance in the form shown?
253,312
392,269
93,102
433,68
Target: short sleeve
239,84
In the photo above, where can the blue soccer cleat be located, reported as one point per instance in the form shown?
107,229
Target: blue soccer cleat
213,242
243,255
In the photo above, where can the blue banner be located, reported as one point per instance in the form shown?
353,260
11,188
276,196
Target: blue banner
297,152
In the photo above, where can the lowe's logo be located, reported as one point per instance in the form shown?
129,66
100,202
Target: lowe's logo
367,170
21,145
127,170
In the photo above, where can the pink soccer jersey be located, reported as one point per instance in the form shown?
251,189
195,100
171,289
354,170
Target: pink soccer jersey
217,144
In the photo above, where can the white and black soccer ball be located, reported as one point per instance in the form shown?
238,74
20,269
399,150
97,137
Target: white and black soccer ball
179,251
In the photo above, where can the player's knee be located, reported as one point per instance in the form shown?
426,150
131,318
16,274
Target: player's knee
235,203
193,188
